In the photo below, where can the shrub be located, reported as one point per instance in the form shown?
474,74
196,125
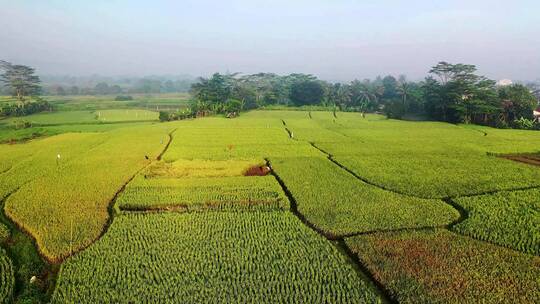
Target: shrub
123,98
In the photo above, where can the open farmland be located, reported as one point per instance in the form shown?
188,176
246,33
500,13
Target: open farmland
349,209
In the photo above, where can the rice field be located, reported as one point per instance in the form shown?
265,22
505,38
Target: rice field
179,258
351,209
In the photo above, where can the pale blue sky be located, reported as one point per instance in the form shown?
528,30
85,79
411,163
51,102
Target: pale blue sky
335,39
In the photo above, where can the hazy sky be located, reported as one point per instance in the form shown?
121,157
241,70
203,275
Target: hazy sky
334,39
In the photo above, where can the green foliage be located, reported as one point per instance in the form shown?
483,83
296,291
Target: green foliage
20,79
123,98
460,95
394,109
338,203
306,92
4,232
7,278
517,102
25,108
524,123
510,219
438,266
164,116
212,257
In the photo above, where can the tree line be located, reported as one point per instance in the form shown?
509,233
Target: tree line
22,82
451,92
127,86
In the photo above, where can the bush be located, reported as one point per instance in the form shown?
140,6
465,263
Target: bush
26,108
164,116
18,124
524,123
123,98
394,109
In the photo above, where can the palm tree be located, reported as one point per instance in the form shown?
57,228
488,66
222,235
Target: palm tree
404,90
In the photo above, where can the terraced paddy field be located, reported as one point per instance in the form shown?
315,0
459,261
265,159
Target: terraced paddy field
272,206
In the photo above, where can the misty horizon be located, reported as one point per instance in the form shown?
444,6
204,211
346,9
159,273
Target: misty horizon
336,41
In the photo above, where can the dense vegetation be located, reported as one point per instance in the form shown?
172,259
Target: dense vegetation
212,257
441,267
451,92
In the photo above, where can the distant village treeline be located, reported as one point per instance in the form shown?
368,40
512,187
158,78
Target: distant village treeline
450,92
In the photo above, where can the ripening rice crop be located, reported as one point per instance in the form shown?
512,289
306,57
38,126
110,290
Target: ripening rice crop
200,168
443,174
244,192
22,163
239,139
211,257
7,278
238,152
337,202
311,130
438,266
510,219
431,159
65,208
209,135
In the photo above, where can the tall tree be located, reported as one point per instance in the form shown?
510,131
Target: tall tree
517,102
20,79
306,92
459,95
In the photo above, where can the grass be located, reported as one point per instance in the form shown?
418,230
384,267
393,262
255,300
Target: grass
442,267
104,102
196,257
338,203
58,118
510,219
126,115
